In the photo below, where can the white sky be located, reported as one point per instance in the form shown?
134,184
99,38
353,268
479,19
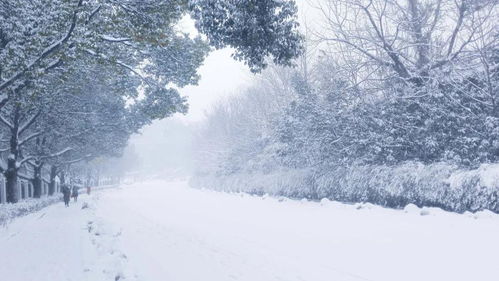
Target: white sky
221,76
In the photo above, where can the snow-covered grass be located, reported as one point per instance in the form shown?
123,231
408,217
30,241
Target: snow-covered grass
167,231
24,207
437,185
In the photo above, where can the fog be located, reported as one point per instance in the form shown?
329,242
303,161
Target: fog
164,148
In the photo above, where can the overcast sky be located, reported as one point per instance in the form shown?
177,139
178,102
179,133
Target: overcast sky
220,76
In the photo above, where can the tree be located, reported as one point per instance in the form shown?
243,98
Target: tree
87,117
256,29
18,116
127,33
240,133
50,52
411,42
417,64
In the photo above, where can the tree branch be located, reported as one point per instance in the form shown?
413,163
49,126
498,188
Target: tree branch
114,39
57,154
6,122
45,53
93,13
69,162
26,159
29,122
122,64
30,137
455,32
398,65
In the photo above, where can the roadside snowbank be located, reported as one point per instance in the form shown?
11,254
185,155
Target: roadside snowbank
24,207
10,211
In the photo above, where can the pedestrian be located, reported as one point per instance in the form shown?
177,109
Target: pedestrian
75,193
66,193
88,189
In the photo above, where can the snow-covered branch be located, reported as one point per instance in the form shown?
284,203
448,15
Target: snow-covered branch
122,64
45,53
29,122
53,64
115,39
19,164
4,98
30,137
57,154
76,160
462,9
93,13
6,122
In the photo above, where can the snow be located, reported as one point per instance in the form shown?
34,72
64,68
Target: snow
411,208
11,211
115,39
425,211
167,231
487,174
59,243
324,201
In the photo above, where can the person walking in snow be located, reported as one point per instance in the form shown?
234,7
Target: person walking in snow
75,193
66,193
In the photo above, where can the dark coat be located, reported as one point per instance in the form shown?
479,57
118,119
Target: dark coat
75,191
66,192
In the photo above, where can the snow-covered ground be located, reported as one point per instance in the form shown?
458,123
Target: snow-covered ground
166,231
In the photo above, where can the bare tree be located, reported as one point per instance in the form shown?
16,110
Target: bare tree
411,41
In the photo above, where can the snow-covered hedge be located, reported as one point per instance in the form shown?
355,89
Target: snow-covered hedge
11,211
437,185
292,183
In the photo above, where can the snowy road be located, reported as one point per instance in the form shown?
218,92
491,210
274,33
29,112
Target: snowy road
165,231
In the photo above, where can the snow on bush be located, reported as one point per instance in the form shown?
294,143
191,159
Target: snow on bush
437,185
285,182
11,211
425,212
325,201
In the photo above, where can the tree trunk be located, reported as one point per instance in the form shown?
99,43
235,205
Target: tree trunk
11,173
53,174
11,187
37,181
63,177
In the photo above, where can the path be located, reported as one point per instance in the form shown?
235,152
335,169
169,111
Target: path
166,231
